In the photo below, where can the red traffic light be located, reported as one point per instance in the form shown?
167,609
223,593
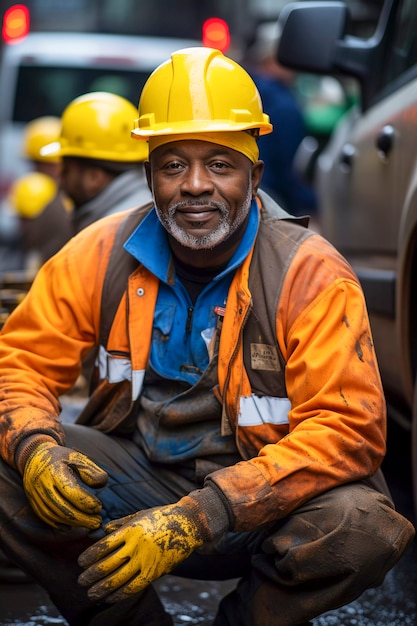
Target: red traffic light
216,34
16,21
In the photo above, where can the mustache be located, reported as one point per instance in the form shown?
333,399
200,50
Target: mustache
212,204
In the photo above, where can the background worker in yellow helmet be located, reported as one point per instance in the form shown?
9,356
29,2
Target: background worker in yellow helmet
44,229
30,193
30,196
237,425
39,230
39,132
102,166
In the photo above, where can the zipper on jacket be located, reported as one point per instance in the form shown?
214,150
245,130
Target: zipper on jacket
189,322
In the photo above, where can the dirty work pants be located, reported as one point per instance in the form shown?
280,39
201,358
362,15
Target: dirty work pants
322,556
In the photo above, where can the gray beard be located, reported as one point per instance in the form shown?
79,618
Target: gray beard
217,236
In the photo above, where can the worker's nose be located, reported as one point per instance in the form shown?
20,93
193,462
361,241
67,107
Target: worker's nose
197,181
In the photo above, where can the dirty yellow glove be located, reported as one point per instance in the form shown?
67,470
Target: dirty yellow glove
52,479
144,547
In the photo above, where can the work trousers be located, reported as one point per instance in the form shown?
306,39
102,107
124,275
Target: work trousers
322,556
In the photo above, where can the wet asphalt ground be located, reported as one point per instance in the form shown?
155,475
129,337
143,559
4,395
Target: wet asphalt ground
195,602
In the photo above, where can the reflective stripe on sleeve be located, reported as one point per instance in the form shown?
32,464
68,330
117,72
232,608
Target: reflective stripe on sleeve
117,369
258,410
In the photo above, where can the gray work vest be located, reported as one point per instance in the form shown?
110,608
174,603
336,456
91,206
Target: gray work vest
277,242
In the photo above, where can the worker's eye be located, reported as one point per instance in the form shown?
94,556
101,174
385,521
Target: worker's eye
219,165
173,165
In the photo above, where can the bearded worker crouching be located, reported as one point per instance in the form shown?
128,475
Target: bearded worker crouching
237,422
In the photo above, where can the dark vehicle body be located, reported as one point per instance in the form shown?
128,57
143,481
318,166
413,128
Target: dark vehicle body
366,176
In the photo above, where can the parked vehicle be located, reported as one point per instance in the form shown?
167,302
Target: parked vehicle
43,72
367,175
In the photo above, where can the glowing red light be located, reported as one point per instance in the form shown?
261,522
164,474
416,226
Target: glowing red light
216,34
16,22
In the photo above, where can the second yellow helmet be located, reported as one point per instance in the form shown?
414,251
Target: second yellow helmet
97,125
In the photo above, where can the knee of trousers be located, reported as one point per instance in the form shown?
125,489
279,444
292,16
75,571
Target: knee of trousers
351,530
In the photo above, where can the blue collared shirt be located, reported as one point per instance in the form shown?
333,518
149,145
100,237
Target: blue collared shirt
181,329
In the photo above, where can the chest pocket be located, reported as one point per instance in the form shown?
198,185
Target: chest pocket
162,327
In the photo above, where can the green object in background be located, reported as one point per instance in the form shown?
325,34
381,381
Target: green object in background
320,120
324,101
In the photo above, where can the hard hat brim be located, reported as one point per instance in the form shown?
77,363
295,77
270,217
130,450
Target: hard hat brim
209,126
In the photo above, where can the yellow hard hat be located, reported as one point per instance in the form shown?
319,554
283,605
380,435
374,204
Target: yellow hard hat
31,193
97,126
199,90
39,132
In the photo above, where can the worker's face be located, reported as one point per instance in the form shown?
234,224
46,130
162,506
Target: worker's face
73,181
50,169
82,182
202,191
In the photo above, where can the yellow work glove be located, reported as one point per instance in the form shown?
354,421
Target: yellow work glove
52,479
139,549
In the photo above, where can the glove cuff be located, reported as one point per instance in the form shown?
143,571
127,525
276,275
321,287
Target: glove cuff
208,511
27,447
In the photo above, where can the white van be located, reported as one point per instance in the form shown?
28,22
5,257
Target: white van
42,73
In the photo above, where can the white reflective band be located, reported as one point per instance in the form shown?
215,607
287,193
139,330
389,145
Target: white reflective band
101,362
118,370
137,383
258,410
115,370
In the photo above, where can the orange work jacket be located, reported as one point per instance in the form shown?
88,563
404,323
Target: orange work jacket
333,429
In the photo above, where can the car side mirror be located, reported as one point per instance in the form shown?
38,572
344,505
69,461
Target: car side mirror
310,33
314,39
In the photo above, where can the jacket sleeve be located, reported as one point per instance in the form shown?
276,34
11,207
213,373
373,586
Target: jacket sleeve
46,337
337,420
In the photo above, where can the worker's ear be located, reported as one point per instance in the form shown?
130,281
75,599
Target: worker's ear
257,171
148,174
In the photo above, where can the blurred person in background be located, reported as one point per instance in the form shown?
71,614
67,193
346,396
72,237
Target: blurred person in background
38,210
31,197
44,229
278,150
37,133
102,166
35,224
